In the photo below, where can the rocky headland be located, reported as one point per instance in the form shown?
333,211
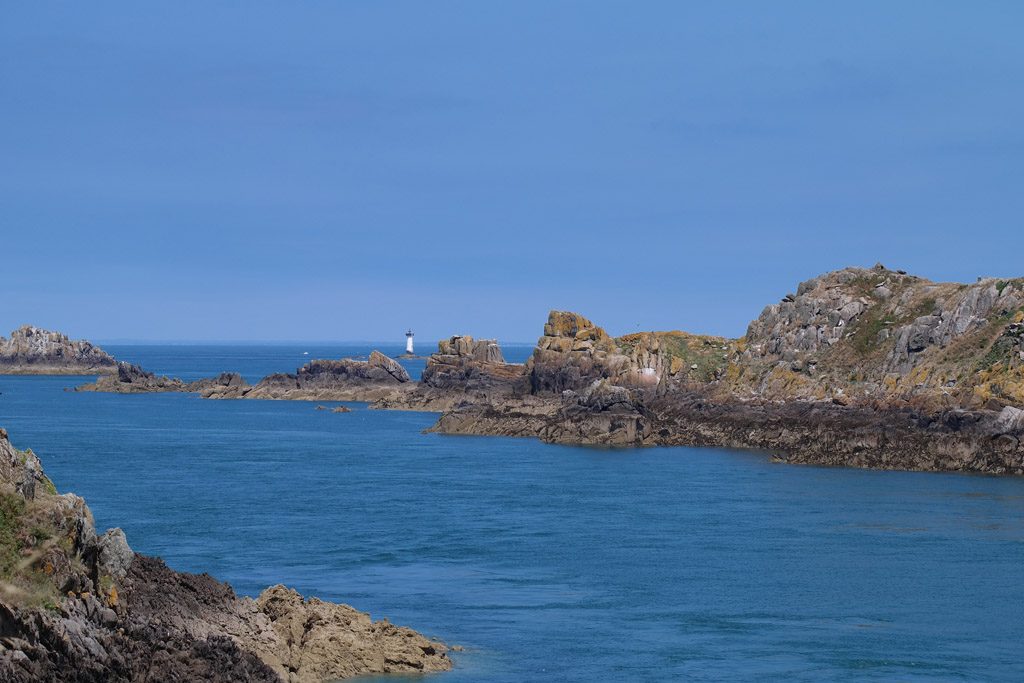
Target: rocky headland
80,606
866,367
34,351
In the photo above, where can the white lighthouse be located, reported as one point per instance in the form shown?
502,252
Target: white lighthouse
408,342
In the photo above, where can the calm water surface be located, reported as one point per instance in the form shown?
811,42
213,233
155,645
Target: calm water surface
548,563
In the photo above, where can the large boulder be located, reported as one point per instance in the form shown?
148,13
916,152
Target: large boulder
572,353
462,363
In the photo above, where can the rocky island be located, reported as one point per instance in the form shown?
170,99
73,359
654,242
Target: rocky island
80,606
34,351
860,367
864,367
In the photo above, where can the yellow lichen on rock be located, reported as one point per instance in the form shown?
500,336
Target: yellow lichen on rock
918,376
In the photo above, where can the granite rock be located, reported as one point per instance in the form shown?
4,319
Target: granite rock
34,351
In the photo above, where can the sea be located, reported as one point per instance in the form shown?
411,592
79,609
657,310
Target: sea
545,562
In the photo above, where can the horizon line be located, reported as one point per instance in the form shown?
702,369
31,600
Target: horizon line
265,342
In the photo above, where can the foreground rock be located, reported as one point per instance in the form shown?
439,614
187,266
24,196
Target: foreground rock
33,351
77,606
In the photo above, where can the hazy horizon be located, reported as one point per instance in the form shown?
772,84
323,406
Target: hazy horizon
398,339
351,170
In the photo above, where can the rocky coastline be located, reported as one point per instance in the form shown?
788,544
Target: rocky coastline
34,351
80,606
861,367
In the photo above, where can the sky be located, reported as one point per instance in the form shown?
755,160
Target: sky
347,170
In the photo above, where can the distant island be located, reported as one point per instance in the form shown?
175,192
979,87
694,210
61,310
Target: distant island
862,367
33,351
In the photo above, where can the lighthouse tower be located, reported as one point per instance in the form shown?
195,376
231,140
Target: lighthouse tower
408,342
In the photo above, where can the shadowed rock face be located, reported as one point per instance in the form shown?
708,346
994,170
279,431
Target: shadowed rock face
33,351
75,606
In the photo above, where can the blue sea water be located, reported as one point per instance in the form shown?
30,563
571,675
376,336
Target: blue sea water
547,563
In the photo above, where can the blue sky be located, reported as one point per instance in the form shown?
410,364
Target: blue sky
262,171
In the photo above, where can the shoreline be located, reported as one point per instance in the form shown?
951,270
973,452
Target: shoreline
87,601
860,367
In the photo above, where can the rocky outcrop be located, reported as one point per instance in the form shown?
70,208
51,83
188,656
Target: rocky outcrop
33,351
224,385
326,641
860,367
574,352
75,606
132,379
601,414
318,380
462,370
864,335
378,369
673,360
464,364
335,380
